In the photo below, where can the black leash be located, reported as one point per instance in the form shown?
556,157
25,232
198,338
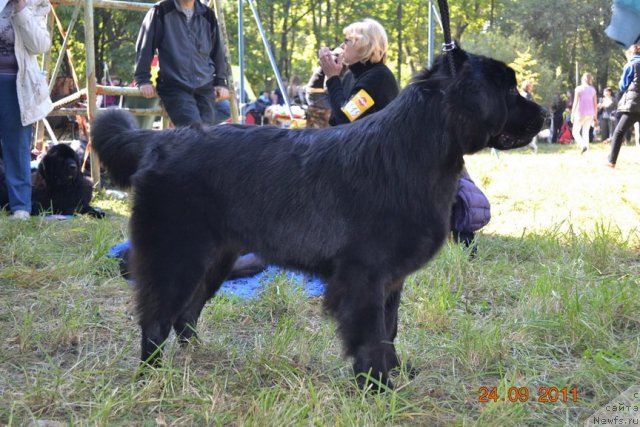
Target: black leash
448,45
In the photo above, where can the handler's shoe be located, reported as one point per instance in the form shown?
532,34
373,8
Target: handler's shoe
20,215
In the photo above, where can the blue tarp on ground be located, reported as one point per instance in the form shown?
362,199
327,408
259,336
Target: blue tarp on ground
250,287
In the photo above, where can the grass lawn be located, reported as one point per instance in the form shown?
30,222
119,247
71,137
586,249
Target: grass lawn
552,300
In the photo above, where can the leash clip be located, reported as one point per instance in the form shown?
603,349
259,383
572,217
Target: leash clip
448,47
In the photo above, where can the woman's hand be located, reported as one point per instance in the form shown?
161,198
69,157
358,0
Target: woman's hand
331,65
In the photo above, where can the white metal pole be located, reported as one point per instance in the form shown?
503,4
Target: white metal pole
272,59
431,36
241,97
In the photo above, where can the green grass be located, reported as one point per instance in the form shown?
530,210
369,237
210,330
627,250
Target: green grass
552,299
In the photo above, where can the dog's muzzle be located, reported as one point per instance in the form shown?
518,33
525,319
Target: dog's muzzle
71,171
508,140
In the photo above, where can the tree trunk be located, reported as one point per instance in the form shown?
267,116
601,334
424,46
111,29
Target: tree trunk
284,41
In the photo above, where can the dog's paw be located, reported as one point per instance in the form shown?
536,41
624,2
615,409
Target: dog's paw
96,213
406,369
374,384
189,341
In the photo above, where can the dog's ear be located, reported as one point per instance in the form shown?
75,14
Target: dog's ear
476,104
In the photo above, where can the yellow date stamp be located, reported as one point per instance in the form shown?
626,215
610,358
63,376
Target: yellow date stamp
523,395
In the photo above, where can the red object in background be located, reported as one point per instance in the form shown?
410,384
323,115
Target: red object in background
249,119
565,134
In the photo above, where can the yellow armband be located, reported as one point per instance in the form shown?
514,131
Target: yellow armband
357,105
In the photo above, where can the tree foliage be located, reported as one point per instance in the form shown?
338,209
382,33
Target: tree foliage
545,40
115,36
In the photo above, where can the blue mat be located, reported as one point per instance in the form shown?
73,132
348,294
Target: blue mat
58,217
250,287
117,250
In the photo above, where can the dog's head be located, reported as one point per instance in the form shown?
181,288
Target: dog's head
484,108
60,166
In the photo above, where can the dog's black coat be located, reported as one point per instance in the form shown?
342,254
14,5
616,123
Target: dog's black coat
58,185
362,205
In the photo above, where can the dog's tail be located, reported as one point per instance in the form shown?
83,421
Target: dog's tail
119,143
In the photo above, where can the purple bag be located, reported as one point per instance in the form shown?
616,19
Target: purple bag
472,210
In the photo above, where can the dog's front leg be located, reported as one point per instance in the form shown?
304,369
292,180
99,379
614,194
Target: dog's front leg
391,306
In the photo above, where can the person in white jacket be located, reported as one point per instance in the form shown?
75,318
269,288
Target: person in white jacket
24,93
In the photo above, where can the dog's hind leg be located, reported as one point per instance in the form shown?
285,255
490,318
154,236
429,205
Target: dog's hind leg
166,282
218,271
356,298
153,338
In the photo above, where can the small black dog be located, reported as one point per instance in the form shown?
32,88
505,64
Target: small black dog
58,185
361,205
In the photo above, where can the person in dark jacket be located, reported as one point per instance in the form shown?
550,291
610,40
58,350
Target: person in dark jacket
193,69
629,104
373,85
368,87
607,108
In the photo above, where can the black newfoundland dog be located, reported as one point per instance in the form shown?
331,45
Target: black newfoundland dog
362,205
58,185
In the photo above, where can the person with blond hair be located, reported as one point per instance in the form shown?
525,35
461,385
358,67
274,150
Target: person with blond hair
629,104
373,85
584,111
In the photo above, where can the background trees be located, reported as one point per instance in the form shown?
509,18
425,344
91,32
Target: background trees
552,42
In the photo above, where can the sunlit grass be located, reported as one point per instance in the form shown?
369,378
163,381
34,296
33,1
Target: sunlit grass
552,299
